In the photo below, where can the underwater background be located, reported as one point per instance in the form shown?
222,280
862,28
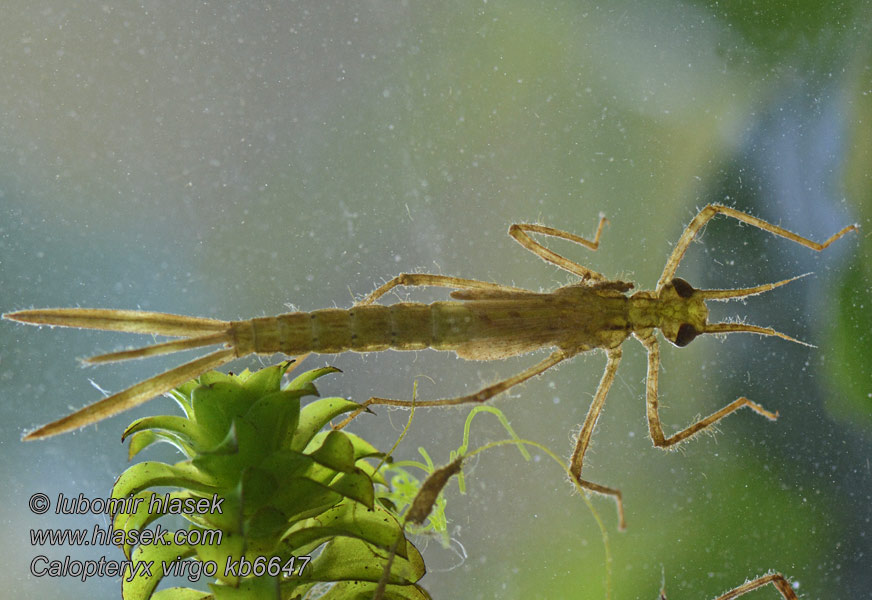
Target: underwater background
231,160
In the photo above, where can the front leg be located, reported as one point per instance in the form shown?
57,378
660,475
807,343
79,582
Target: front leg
709,212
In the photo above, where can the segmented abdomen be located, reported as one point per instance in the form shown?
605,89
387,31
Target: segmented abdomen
367,328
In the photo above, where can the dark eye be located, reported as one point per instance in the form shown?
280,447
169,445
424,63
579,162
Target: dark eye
682,288
686,333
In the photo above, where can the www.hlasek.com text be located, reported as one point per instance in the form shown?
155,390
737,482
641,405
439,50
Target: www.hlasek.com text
100,536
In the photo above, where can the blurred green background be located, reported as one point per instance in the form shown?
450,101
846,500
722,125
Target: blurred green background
231,159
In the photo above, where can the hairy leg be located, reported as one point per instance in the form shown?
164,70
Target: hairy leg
776,579
654,426
710,211
520,233
429,280
583,441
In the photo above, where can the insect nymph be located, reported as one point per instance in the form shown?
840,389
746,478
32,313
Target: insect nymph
484,321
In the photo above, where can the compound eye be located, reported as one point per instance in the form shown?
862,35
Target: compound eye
682,288
686,334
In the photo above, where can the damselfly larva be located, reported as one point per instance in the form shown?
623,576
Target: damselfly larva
485,321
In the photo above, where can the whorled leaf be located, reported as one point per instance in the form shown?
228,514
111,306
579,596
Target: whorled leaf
336,451
212,377
376,526
309,376
340,476
352,559
180,593
141,440
302,498
362,448
265,380
355,485
276,415
144,475
142,586
315,415
216,405
145,513
364,590
256,588
232,546
179,431
182,396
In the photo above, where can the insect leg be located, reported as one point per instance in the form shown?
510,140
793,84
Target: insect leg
482,395
709,212
776,579
581,445
426,279
654,426
520,233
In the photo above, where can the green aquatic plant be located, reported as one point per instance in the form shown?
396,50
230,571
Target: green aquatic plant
276,508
